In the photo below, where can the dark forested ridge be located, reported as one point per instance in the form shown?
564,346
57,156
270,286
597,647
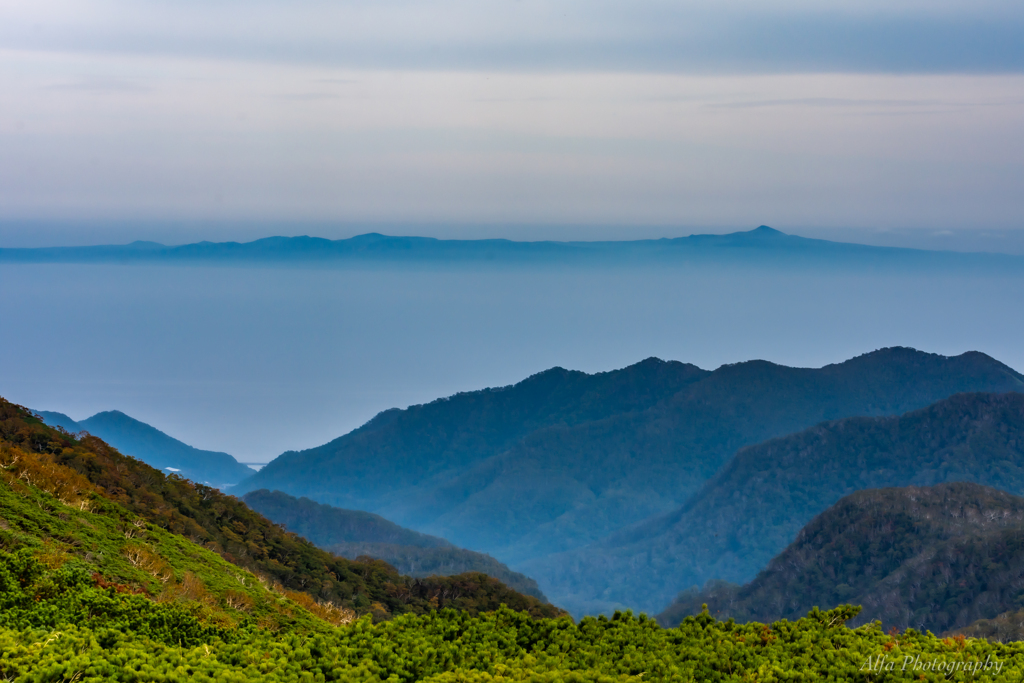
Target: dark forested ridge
759,502
354,534
84,470
155,448
563,459
930,558
395,464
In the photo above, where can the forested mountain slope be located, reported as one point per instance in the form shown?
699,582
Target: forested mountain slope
85,472
155,448
1004,628
758,503
354,534
95,586
399,449
563,459
929,558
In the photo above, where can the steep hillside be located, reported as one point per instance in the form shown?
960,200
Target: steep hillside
79,471
932,558
68,553
759,502
155,448
564,459
354,534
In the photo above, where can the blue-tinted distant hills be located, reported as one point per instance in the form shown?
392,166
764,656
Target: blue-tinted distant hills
759,500
538,474
761,245
155,448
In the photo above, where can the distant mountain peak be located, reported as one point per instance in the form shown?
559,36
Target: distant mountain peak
765,230
154,447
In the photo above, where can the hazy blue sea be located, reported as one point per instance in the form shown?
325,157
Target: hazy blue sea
255,361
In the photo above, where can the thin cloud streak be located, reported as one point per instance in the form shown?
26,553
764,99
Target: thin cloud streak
592,35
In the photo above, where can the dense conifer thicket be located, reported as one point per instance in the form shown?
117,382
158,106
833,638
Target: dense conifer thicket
355,533
127,638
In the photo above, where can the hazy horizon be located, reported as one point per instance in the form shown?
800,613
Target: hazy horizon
256,361
864,122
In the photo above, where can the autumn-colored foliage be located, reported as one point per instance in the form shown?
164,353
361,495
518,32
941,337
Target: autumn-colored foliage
83,471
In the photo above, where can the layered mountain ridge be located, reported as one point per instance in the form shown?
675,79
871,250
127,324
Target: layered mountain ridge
759,502
564,459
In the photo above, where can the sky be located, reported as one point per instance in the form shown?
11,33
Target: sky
891,123
640,118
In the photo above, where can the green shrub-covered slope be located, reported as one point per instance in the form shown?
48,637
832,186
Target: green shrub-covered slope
449,646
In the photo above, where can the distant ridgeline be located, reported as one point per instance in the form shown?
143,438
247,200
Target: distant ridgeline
551,474
354,534
155,448
929,558
761,245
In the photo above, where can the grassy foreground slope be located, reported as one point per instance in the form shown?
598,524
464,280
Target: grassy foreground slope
355,533
86,472
932,558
